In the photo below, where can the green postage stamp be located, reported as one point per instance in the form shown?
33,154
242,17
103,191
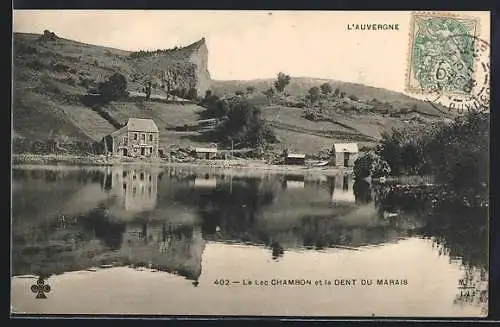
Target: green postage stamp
447,62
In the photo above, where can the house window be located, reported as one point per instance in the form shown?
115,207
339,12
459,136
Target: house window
150,137
143,137
135,136
150,150
125,140
142,176
124,174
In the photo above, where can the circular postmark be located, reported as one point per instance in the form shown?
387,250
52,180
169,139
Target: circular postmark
459,78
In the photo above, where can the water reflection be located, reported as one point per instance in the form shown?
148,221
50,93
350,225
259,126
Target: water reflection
136,187
71,220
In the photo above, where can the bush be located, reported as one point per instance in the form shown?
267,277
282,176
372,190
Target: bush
456,154
192,94
370,164
281,82
114,88
269,93
215,107
314,94
326,88
245,126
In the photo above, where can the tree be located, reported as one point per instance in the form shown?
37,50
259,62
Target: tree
245,126
215,107
370,164
281,82
342,94
239,93
353,97
208,93
192,94
269,93
326,88
314,94
336,93
114,88
147,90
250,89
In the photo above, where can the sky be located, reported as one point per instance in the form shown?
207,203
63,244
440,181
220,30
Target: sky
247,45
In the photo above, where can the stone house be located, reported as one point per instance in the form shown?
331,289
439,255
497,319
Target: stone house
140,137
344,154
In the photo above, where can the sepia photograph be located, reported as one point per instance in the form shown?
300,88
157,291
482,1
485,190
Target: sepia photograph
250,163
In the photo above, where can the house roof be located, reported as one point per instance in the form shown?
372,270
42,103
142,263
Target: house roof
142,125
346,147
205,150
118,131
296,155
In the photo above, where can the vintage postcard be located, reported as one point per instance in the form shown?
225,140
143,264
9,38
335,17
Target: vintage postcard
250,163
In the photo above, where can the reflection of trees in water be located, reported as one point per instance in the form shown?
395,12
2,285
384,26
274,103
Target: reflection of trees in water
233,208
230,213
61,245
277,250
51,176
461,230
95,239
457,231
100,225
362,191
464,237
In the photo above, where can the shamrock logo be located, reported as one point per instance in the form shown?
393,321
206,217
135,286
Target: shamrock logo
40,288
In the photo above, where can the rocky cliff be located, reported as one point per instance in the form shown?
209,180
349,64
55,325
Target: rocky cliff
178,69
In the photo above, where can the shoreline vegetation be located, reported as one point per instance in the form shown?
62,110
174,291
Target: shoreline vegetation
455,154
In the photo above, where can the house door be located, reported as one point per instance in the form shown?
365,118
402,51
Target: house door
125,152
346,159
143,151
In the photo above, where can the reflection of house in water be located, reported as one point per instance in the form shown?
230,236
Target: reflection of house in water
136,186
341,188
205,182
166,248
293,182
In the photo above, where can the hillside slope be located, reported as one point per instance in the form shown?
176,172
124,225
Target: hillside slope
52,75
299,86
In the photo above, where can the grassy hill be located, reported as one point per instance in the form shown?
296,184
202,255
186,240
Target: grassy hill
299,86
52,75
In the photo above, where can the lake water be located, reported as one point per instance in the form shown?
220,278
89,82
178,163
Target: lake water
182,241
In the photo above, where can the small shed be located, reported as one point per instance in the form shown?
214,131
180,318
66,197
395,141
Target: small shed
344,154
295,159
206,153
